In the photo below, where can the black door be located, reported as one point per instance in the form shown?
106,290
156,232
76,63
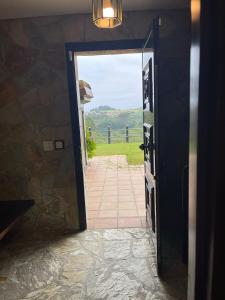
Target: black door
166,122
150,134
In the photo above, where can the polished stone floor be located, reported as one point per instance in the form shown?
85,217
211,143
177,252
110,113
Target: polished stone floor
115,264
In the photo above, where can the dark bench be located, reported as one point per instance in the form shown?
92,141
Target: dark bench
10,212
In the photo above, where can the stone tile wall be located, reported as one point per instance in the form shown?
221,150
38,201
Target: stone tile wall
34,106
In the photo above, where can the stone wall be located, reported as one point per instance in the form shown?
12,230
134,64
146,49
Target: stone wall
34,106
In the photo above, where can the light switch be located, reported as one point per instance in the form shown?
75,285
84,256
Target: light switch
48,145
59,144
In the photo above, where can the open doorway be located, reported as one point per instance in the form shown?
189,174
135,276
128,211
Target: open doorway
111,111
165,121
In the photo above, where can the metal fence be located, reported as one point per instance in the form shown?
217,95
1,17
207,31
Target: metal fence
112,136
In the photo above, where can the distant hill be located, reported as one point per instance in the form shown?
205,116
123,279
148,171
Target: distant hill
103,116
102,108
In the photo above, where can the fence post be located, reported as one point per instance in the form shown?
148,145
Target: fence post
109,135
127,134
90,133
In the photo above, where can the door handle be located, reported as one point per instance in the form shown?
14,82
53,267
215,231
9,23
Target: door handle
143,147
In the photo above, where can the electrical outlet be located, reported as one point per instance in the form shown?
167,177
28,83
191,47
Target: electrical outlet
59,144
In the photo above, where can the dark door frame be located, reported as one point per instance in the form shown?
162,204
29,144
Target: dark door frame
207,148
71,49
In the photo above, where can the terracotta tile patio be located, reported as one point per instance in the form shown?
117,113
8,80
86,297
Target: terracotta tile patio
114,193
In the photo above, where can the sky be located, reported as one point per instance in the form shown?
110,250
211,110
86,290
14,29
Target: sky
116,80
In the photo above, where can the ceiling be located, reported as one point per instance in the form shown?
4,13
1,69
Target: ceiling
10,9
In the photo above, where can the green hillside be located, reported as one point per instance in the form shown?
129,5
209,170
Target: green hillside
100,118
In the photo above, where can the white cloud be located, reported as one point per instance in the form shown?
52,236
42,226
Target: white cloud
116,80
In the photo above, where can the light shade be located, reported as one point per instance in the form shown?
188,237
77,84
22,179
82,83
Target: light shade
107,13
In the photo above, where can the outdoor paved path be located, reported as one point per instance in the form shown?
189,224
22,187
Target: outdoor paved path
114,193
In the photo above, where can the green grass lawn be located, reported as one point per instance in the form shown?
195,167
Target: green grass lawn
131,150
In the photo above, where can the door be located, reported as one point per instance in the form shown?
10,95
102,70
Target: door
149,145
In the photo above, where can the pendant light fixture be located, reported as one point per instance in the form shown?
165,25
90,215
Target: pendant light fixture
107,13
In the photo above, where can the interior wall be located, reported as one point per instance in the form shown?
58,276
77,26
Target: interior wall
34,107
